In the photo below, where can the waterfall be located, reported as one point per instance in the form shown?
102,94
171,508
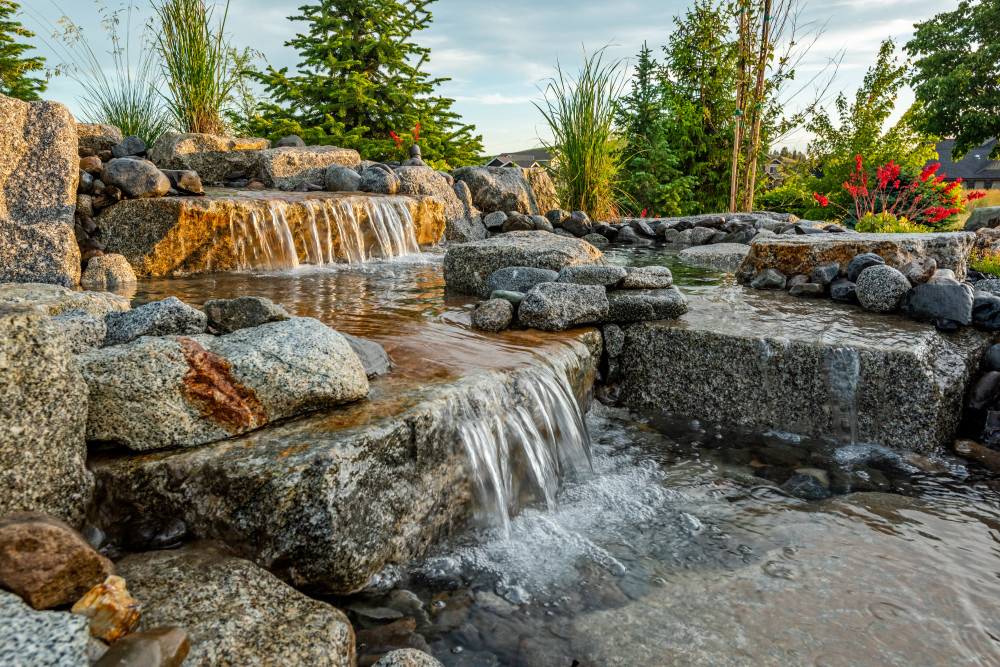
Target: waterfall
522,435
843,370
278,234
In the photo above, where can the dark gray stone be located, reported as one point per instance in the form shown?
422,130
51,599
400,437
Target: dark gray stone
495,221
627,236
542,224
920,270
947,307
493,315
826,274
987,216
379,181
986,311
342,179
292,140
595,274
881,288
557,216
595,240
167,317
614,339
644,305
991,361
860,263
984,392
844,291
559,306
517,222
806,487
769,279
184,181
519,279
373,356
128,147
229,315
991,285
578,224
695,236
807,289
647,277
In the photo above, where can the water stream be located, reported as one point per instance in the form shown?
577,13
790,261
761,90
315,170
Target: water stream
649,539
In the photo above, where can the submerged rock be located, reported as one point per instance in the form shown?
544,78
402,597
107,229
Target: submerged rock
229,315
166,317
41,638
468,266
235,613
726,256
46,562
806,487
42,419
493,315
182,392
559,306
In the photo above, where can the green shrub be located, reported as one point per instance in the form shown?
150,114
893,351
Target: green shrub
886,223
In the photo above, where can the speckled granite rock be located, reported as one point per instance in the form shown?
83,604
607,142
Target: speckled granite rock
647,277
800,254
290,166
53,299
83,331
645,305
498,189
408,657
45,251
605,275
560,306
229,315
518,279
236,613
462,218
94,138
213,157
329,500
546,196
166,317
467,266
881,288
987,216
42,419
104,271
186,391
493,315
42,188
726,359
184,235
727,256
40,638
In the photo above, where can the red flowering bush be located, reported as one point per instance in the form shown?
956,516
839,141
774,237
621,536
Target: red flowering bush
921,198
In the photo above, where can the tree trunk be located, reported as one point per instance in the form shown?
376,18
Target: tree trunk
750,183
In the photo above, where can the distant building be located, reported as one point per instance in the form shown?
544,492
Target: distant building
776,170
530,159
976,169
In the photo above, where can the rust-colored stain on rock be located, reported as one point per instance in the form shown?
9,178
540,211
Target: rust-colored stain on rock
209,384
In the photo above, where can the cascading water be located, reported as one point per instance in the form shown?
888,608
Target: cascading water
843,370
519,455
331,230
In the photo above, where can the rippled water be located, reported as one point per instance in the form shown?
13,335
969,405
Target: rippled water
677,548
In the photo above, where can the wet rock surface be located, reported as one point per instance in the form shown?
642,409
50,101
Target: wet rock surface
170,316
519,279
468,266
235,613
645,305
559,306
159,647
373,356
493,315
727,256
604,275
184,391
107,271
947,307
42,421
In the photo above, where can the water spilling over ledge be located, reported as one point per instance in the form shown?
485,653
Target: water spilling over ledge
266,230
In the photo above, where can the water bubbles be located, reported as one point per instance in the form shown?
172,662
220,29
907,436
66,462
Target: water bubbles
780,569
457,650
691,523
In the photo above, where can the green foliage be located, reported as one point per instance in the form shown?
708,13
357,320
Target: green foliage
985,261
360,78
795,195
580,113
861,129
957,74
15,67
126,93
652,180
200,67
886,223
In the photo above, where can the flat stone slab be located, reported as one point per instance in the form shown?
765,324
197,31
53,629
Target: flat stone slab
229,229
800,254
54,299
327,501
213,157
727,256
290,166
468,266
770,361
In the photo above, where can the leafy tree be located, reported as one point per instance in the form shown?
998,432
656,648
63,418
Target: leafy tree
14,67
862,131
361,78
957,74
652,180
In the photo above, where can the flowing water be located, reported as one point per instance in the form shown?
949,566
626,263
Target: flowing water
665,541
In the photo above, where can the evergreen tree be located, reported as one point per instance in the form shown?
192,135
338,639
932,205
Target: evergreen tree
14,69
361,78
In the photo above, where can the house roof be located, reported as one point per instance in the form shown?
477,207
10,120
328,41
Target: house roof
525,158
976,165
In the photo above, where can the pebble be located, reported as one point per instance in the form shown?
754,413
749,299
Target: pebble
113,613
494,315
160,647
771,279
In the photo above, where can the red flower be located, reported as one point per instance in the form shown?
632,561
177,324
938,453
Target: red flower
397,139
643,213
823,201
929,171
857,162
416,133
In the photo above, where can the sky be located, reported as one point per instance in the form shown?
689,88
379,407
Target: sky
499,55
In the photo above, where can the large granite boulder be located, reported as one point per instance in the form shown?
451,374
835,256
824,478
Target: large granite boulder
546,196
42,419
801,254
559,306
92,138
498,189
236,613
468,266
41,638
39,174
462,219
181,391
212,156
986,217
53,299
289,167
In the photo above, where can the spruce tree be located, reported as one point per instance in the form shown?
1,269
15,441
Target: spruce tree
361,78
14,68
